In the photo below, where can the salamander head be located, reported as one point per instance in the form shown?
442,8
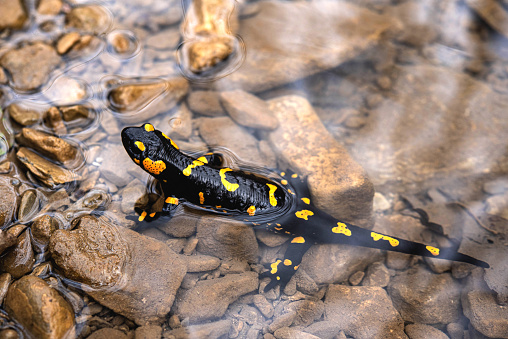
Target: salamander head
147,147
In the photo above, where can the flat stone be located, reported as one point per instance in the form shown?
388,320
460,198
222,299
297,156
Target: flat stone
226,239
13,14
324,329
116,165
90,18
200,263
51,146
40,309
422,331
423,297
292,333
310,150
28,206
144,272
20,259
281,48
209,299
248,110
23,115
352,307
30,65
47,172
180,226
205,103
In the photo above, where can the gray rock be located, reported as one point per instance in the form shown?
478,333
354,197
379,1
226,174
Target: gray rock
324,329
205,103
423,297
377,275
144,272
263,305
292,333
352,307
497,275
455,330
248,110
200,263
281,49
116,165
164,39
214,330
30,65
227,239
422,331
307,311
305,144
181,123
418,30
209,299
180,226
148,332
496,186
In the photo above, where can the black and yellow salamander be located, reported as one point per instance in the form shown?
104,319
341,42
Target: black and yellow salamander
280,205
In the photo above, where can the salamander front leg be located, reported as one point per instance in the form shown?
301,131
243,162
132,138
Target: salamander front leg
281,271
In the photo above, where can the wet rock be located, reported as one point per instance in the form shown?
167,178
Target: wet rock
223,131
66,90
91,19
137,102
5,281
42,228
214,330
289,333
46,171
200,263
40,309
352,307
496,186
75,112
53,119
455,330
418,30
305,144
181,123
324,329
356,278
8,203
49,7
226,239
480,306
23,115
307,311
108,333
380,203
19,260
377,275
209,299
166,39
30,65
397,261
29,205
248,110
421,331
181,226
131,194
144,272
13,14
498,205
116,165
423,297
340,261
205,103
9,333
263,305
148,332
492,12
497,276
282,49
53,147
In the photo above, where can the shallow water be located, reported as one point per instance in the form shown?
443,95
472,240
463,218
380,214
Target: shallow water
404,98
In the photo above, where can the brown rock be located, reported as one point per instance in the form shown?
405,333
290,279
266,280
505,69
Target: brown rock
46,171
281,49
42,228
107,333
53,147
137,102
209,299
6,240
200,263
53,119
66,41
92,19
29,205
205,103
75,112
30,65
421,331
20,259
144,272
23,115
8,203
248,110
5,281
13,14
333,176
215,330
40,309
492,12
352,307
49,7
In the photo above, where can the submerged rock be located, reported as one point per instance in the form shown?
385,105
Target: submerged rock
13,14
8,203
6,240
40,309
53,147
248,110
20,259
23,115
143,272
90,18
30,65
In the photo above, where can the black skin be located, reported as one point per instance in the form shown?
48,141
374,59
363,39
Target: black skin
202,184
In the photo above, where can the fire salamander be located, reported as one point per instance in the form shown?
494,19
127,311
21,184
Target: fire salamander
280,205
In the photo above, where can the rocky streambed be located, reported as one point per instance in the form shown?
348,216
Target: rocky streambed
386,107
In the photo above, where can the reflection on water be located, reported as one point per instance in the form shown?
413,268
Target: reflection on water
407,98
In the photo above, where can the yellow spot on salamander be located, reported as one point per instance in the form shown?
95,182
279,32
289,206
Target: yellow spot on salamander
278,228
201,198
298,240
203,160
136,161
306,200
376,236
304,214
278,278
218,206
149,128
271,194
274,266
188,170
229,186
294,175
341,228
287,262
170,140
152,215
433,250
282,174
142,216
155,167
296,267
140,145
251,210
291,192
171,200
284,182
